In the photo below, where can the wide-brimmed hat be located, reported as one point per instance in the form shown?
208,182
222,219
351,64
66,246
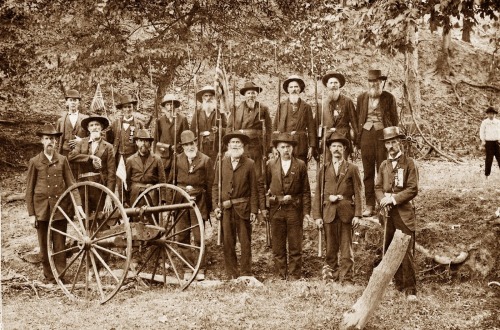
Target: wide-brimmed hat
126,99
171,98
249,85
336,137
48,129
332,74
376,75
284,137
143,134
491,110
296,78
206,89
187,137
392,132
73,93
103,120
236,134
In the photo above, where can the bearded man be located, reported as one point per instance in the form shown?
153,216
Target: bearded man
240,199
205,124
376,110
295,116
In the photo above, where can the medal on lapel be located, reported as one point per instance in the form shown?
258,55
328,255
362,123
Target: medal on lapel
131,137
398,178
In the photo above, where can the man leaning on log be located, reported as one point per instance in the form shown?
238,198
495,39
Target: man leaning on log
395,188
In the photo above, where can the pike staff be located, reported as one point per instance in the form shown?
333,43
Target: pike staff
264,174
219,153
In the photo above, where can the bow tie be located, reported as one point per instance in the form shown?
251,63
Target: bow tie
395,159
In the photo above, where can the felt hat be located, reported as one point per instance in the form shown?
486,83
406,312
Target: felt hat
73,93
249,85
296,78
171,98
126,99
391,133
337,137
187,136
236,134
206,89
48,129
103,120
332,74
375,75
143,134
284,137
491,110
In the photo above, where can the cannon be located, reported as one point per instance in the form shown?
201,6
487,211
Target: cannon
146,242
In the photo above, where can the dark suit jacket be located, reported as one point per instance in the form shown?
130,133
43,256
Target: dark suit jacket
63,125
347,184
388,108
404,195
138,174
114,135
165,132
46,181
305,124
236,122
81,155
299,182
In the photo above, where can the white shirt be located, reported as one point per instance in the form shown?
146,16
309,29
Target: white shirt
490,130
48,157
234,162
394,160
285,165
73,118
126,125
336,166
94,146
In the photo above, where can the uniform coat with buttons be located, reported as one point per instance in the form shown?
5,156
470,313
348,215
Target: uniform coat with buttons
139,175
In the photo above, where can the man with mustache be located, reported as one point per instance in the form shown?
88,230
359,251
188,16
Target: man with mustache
339,112
290,205
240,199
49,175
395,189
376,109
205,124
70,125
168,131
294,116
96,161
339,211
195,173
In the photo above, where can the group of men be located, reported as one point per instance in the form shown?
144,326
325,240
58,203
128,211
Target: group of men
235,187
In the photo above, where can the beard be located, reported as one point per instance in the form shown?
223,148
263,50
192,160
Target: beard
94,136
144,150
250,103
191,153
208,106
375,92
294,98
235,153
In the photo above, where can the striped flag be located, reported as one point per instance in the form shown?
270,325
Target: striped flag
221,83
97,101
121,172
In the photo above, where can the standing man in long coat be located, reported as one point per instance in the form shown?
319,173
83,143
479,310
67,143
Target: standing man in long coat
49,175
376,109
290,203
240,203
395,189
295,116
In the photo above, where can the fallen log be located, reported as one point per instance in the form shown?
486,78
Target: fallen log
14,197
440,259
360,312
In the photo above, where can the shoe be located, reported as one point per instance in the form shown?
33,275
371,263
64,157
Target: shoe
411,298
368,211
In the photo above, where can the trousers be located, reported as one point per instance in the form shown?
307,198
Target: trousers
338,237
373,153
492,150
236,227
58,244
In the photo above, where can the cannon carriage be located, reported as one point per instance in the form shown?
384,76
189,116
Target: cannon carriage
107,248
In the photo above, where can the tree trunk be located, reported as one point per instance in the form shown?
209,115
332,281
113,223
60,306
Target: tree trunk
467,20
360,312
442,63
411,69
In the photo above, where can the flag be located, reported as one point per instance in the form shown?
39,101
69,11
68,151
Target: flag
121,172
97,101
221,83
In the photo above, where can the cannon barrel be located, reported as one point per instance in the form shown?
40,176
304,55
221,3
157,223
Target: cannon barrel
160,208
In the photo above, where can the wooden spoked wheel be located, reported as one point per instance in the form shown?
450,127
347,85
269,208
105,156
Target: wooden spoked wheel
174,257
93,263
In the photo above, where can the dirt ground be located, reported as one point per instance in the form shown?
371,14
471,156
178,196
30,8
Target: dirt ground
455,209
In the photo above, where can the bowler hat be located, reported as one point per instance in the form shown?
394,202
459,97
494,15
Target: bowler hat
249,85
376,75
337,137
73,93
491,110
206,89
236,134
48,129
103,120
143,134
296,78
332,74
126,99
284,137
187,136
391,133
171,98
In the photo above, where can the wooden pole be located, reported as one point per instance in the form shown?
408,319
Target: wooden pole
360,312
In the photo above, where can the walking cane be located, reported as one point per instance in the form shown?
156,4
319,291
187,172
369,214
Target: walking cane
385,215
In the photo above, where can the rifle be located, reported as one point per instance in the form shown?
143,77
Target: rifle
279,84
218,116
174,160
264,175
323,169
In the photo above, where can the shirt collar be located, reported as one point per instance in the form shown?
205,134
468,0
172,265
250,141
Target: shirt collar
395,158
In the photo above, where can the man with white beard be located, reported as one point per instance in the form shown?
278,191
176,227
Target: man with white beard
376,110
240,197
295,116
205,124
195,175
